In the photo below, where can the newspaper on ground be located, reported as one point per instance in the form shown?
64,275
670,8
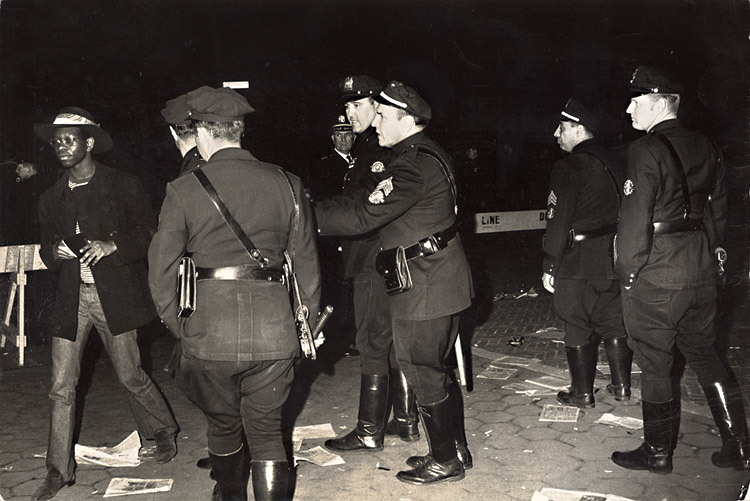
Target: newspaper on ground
493,372
513,360
124,454
549,494
547,369
559,413
319,456
603,367
529,389
549,382
313,431
622,421
126,486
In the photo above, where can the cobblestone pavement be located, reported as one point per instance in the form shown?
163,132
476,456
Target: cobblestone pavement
514,453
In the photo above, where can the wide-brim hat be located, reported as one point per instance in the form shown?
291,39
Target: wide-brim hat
75,117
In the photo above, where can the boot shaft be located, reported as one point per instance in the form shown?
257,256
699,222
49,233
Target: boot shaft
270,480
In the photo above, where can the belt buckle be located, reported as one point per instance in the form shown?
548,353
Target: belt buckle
429,245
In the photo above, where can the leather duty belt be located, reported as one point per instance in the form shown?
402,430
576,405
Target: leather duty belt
430,245
242,272
580,236
665,228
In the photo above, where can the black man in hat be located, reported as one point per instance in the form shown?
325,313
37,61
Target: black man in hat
96,226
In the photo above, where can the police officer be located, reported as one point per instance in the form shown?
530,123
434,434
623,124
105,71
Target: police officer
240,344
328,179
414,209
581,222
372,315
671,220
176,115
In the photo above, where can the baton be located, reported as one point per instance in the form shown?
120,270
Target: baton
322,319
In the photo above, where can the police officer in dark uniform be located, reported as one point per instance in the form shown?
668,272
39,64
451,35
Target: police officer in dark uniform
414,209
328,178
240,344
371,312
581,222
176,114
672,217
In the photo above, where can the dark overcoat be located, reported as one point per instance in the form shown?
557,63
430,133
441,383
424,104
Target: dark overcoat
112,206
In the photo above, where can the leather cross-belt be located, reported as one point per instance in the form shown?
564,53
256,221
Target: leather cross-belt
241,272
430,245
580,236
664,228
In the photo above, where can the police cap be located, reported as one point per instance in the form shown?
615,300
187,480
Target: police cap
358,87
648,80
176,111
341,125
576,112
399,95
217,105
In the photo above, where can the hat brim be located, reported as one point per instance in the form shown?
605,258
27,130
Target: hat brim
102,140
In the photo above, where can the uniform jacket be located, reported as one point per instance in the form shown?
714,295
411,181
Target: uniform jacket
112,206
419,205
583,196
328,178
653,193
370,163
191,161
235,320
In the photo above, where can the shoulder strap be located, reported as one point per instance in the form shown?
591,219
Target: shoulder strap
681,171
606,168
423,148
228,218
295,228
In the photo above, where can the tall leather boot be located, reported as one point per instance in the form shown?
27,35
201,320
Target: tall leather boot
441,464
725,400
405,421
582,363
231,474
270,480
368,434
661,424
459,432
620,359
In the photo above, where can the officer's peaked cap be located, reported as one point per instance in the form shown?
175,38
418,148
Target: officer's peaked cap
217,105
399,95
648,80
576,112
341,125
358,87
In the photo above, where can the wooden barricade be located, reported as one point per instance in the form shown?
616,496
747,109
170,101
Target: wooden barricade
17,260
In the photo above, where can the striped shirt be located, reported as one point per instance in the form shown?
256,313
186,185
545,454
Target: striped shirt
86,276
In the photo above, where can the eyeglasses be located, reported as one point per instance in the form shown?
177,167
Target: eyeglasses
66,141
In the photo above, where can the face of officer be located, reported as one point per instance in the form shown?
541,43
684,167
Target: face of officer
343,140
644,111
360,113
393,125
70,146
569,134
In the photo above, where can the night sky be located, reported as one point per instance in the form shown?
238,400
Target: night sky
496,73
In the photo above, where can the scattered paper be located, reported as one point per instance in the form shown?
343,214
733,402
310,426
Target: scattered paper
126,486
313,431
625,422
124,454
513,360
548,494
549,382
493,372
529,389
603,367
549,370
559,413
319,456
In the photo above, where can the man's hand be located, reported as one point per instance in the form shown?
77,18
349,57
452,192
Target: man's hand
549,282
95,250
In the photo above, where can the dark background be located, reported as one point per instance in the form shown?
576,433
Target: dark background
497,74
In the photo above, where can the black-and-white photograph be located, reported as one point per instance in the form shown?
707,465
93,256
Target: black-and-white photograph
378,250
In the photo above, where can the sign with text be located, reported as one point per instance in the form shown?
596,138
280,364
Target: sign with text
495,222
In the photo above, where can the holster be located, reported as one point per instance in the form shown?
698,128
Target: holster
392,265
186,287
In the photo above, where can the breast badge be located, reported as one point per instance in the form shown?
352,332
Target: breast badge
377,167
628,188
384,188
550,213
